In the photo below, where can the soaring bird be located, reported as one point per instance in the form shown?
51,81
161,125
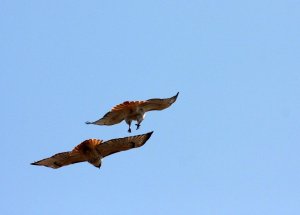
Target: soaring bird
133,111
93,150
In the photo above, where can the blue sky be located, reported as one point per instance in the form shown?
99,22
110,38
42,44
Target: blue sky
229,145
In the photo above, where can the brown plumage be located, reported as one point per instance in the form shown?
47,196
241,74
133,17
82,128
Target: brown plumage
133,111
93,151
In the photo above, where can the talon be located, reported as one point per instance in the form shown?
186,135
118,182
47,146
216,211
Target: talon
137,126
129,130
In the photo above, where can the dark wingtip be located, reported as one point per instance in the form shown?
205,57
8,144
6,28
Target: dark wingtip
87,122
174,98
34,163
149,134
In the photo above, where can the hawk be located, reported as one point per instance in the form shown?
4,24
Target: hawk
93,150
133,111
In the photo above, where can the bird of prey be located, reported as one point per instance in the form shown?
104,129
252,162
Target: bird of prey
133,111
93,150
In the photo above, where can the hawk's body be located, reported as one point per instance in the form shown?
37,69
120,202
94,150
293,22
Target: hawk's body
93,151
133,111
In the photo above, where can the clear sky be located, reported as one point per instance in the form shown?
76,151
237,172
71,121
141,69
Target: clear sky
228,146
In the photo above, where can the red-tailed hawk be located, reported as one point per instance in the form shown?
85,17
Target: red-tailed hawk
133,111
93,151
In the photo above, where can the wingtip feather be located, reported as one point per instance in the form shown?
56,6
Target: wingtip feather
149,134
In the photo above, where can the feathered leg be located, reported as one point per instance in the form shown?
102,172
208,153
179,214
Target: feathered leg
129,125
139,121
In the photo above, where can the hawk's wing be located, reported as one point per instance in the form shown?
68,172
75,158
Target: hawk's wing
117,113
158,104
61,159
110,118
122,144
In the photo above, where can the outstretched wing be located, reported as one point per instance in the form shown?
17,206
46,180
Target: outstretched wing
122,144
61,159
117,113
158,104
110,118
